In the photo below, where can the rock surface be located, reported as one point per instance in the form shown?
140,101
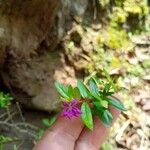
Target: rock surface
29,31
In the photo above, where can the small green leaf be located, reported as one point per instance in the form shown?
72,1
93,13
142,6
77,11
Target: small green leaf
93,86
106,117
116,104
87,115
71,92
109,114
94,89
77,93
62,90
5,99
45,122
83,90
109,93
104,103
100,104
110,80
40,134
107,88
97,104
49,122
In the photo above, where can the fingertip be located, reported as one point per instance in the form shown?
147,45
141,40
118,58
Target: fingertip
65,130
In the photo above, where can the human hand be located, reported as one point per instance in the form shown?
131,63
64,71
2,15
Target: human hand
71,134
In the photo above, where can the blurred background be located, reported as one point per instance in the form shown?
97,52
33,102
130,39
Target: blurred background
42,41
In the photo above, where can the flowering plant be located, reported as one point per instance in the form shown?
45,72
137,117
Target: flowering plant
88,101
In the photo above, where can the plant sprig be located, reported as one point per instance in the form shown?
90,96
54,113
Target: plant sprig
5,99
93,100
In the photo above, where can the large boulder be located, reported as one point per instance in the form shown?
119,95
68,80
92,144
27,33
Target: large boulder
30,30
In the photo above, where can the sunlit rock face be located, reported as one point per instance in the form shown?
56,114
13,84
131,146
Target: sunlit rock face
25,24
29,32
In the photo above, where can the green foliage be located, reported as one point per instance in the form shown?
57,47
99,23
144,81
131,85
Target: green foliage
103,113
104,3
146,63
124,13
76,93
87,115
5,100
70,45
94,89
1,146
136,70
63,90
83,89
116,104
4,140
47,122
69,92
131,13
40,133
119,15
116,39
95,100
137,7
119,2
105,116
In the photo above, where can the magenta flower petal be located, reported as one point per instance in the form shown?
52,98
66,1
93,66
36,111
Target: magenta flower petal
76,111
74,102
70,109
66,104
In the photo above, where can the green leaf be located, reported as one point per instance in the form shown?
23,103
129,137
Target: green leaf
83,90
87,115
107,87
49,122
97,104
116,104
5,99
104,103
100,104
94,89
109,93
45,122
108,90
77,93
110,80
93,86
71,92
62,90
106,117
40,133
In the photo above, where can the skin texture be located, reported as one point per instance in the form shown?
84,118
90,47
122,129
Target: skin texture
71,134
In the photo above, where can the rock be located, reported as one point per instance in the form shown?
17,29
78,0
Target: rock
143,39
29,32
25,25
32,81
142,97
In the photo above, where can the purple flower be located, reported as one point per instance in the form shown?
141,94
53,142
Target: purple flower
70,109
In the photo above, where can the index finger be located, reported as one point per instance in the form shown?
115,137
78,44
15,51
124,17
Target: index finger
62,135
